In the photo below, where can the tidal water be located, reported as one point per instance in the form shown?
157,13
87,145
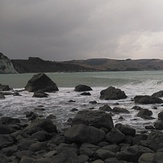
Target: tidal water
131,82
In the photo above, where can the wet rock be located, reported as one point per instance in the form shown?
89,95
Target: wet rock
127,130
133,153
74,109
112,93
16,93
105,108
51,116
65,156
6,129
41,82
41,124
93,118
120,110
147,100
146,158
83,158
6,141
71,101
2,96
4,88
84,134
160,116
158,94
40,94
82,88
86,94
104,154
136,108
158,125
31,115
9,120
93,102
38,146
144,113
115,136
26,159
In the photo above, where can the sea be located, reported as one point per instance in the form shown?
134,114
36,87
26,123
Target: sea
131,82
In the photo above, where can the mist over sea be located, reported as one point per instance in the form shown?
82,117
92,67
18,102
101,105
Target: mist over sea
131,82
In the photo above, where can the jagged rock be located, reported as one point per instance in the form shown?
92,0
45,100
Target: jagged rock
82,88
104,154
145,99
112,93
84,134
41,82
144,113
93,118
120,110
6,141
158,94
40,94
127,130
6,129
93,102
115,136
106,108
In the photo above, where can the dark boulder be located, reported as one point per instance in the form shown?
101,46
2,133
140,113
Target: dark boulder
127,130
2,96
4,88
160,116
82,88
84,134
115,136
9,120
4,129
112,93
6,141
145,99
105,108
41,124
93,118
158,125
136,108
120,110
40,94
41,82
158,94
144,113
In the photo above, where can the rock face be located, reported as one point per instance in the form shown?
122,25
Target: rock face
41,82
112,93
147,100
93,118
82,88
6,65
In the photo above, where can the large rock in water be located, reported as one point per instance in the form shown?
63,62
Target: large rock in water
81,88
112,93
145,99
41,82
94,118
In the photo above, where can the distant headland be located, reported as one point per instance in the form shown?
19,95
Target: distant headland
36,64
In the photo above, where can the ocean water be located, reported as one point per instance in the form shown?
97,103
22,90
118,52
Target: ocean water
131,82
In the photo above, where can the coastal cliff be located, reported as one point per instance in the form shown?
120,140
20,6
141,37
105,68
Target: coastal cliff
6,65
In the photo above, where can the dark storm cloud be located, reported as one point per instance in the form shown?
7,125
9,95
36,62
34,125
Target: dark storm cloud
65,30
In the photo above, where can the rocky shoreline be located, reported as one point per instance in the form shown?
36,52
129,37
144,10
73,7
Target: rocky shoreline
91,136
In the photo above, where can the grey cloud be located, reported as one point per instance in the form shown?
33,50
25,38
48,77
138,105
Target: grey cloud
65,30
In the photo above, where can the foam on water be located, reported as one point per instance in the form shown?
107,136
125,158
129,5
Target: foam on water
58,104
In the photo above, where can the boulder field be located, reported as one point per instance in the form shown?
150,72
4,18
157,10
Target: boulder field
91,138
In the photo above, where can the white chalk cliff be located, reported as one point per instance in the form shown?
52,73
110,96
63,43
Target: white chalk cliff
6,65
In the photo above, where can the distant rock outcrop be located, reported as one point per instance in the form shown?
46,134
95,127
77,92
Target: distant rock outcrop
6,65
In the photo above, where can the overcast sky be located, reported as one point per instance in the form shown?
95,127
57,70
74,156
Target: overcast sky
81,29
